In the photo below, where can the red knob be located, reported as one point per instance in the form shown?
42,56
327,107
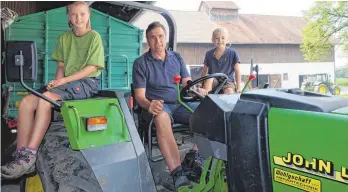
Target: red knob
177,78
251,77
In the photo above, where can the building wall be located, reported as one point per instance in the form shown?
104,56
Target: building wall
286,75
29,7
194,53
20,7
275,60
293,70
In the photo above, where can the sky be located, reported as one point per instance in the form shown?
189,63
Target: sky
263,7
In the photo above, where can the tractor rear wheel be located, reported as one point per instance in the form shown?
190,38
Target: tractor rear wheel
322,89
59,167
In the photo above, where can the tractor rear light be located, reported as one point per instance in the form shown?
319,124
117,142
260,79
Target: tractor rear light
131,102
96,123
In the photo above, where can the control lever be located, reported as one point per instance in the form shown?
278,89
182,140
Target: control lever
251,77
177,79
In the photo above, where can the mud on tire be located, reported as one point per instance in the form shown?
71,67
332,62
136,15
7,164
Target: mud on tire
61,168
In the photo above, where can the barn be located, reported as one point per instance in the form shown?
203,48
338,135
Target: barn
272,42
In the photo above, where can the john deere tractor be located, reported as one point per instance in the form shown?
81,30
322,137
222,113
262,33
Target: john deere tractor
281,140
260,140
320,83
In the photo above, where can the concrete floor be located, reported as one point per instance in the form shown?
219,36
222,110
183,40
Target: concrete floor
160,171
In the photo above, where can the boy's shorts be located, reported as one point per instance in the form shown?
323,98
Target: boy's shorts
80,89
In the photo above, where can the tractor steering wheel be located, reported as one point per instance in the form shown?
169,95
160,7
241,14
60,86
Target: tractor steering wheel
221,78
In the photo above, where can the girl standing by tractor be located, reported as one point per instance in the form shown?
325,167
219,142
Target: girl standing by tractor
80,57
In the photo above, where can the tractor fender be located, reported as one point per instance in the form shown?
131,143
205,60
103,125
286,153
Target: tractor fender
59,167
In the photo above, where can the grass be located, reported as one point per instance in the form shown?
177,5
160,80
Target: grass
342,81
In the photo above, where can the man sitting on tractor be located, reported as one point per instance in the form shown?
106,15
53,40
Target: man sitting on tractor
155,91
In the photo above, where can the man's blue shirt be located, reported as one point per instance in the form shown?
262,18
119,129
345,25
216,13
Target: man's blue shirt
158,76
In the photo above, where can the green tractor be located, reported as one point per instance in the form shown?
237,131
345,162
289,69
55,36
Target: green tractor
264,140
320,83
260,140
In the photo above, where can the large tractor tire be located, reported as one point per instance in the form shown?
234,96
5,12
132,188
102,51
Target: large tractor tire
59,167
31,184
322,89
8,143
335,90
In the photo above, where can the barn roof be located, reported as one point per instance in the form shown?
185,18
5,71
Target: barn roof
196,27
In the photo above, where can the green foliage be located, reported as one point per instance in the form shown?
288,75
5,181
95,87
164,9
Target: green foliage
342,73
327,25
342,81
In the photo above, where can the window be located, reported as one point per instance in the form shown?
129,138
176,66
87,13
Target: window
285,77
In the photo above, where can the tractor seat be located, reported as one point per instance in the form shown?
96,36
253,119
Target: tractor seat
145,124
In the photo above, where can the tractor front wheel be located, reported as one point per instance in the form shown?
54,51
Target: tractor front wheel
336,90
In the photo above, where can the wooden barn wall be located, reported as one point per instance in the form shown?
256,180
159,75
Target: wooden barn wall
29,7
20,7
194,53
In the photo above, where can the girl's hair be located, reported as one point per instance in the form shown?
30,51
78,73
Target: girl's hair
88,26
220,29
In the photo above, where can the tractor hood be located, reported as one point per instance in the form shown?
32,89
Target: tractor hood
343,111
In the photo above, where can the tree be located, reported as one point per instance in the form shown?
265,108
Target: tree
327,25
342,72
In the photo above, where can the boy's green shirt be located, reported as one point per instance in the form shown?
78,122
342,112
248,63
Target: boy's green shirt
76,52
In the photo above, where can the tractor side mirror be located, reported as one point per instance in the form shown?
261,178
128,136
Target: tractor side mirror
21,65
21,53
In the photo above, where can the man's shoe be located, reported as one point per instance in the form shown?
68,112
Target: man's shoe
179,178
23,163
193,165
181,181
